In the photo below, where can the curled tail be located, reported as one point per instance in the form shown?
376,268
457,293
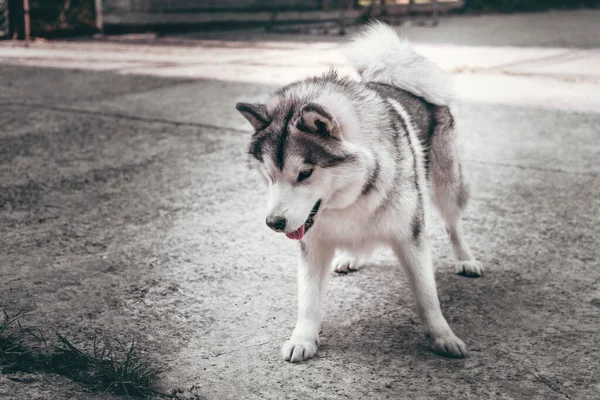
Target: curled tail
379,54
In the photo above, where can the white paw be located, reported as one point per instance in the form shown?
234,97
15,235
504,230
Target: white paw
471,268
448,345
345,263
298,349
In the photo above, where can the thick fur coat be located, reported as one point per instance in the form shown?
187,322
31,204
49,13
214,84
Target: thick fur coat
351,166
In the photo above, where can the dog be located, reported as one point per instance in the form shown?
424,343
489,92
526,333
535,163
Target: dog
350,164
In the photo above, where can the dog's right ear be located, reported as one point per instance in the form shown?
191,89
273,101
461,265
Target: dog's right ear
256,114
316,120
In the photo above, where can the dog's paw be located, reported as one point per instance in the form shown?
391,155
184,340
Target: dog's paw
296,350
345,263
448,345
471,268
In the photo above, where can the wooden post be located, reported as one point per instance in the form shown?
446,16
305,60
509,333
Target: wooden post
99,15
26,21
344,5
436,12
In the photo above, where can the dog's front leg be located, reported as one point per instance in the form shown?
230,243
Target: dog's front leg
313,271
416,260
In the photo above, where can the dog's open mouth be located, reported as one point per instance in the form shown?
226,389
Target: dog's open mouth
299,233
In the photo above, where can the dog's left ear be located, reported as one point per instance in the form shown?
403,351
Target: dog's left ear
256,114
315,119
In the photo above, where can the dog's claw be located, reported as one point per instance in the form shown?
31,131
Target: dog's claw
471,268
449,346
296,350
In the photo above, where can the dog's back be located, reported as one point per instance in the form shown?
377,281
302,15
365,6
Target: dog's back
388,65
421,112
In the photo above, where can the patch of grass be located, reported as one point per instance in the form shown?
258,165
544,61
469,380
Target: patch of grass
120,370
16,354
114,368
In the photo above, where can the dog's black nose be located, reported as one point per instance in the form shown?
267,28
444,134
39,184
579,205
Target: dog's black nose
276,223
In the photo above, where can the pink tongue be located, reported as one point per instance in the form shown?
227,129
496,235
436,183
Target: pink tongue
297,234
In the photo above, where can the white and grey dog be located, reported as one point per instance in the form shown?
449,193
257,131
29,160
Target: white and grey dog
349,166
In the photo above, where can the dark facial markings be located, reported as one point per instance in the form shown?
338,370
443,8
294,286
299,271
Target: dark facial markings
258,139
283,139
256,147
313,148
316,153
305,174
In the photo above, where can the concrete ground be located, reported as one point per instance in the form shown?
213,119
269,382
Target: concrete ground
127,212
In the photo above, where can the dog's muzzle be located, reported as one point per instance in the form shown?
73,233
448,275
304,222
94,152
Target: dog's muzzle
299,233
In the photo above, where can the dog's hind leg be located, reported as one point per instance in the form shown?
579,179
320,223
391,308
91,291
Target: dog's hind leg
415,257
345,262
449,190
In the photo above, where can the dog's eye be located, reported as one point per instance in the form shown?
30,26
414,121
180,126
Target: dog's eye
305,174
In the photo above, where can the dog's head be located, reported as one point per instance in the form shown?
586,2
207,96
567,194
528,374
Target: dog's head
301,151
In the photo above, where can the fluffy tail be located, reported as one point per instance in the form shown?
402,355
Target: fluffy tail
379,54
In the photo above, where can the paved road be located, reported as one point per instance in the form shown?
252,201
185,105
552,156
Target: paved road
126,211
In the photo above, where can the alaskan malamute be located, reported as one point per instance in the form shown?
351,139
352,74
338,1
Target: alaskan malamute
350,166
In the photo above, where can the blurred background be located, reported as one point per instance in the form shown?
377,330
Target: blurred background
51,18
